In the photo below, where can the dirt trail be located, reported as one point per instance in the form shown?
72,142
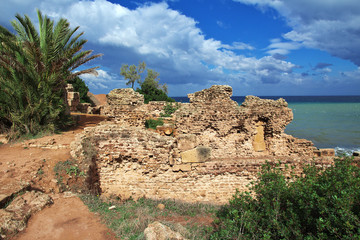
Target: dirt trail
67,219
32,162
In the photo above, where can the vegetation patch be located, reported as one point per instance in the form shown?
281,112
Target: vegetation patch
321,204
153,123
169,109
35,65
130,218
69,176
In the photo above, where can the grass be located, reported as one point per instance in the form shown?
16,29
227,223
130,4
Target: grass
129,219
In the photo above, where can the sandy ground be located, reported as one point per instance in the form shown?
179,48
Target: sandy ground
30,163
68,218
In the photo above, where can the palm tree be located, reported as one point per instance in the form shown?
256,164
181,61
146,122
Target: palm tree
34,69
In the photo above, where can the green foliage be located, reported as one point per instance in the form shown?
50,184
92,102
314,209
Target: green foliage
129,218
34,69
153,123
73,170
40,171
132,73
169,109
150,87
152,90
80,86
322,204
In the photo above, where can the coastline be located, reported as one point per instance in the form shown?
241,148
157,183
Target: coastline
328,121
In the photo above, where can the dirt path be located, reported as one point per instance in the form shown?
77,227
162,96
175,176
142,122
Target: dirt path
32,163
67,219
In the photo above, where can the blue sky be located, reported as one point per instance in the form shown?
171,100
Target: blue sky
259,47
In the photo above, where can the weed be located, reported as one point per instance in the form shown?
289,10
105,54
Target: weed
153,123
1,143
72,170
40,171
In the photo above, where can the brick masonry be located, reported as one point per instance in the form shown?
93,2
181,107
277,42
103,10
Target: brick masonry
216,148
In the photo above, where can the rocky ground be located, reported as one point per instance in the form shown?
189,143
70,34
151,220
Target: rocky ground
28,185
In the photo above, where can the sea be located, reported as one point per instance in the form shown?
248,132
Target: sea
328,121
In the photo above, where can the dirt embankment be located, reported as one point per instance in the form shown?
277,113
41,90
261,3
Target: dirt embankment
32,163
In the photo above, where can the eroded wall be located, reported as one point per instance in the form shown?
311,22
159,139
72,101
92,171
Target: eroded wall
255,128
218,146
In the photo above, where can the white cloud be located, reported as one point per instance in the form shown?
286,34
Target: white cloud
238,46
329,25
168,41
283,48
102,81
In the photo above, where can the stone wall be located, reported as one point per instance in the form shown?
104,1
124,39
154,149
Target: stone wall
133,162
127,107
255,128
74,104
216,147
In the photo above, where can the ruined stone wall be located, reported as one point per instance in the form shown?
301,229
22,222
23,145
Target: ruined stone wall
126,107
133,162
256,128
213,147
123,106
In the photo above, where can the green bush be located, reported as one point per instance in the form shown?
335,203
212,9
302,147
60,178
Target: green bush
152,93
322,204
153,123
169,110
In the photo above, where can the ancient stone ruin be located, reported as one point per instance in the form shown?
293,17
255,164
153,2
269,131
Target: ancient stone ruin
215,146
74,104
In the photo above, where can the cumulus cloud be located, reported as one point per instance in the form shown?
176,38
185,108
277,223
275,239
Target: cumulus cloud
332,26
103,80
168,41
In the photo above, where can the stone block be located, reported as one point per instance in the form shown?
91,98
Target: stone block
317,153
182,167
165,129
327,152
199,154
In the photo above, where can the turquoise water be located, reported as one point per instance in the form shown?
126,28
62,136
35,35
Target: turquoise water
328,121
333,125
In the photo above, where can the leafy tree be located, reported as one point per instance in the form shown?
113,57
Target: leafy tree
80,86
322,204
34,69
152,90
132,73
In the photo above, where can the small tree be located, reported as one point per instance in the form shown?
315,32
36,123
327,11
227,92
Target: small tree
132,73
152,90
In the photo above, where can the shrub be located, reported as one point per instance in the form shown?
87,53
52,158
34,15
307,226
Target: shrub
152,93
153,123
322,204
169,110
